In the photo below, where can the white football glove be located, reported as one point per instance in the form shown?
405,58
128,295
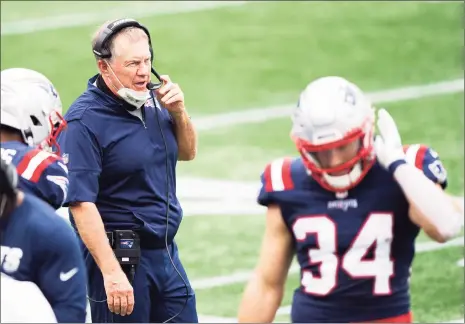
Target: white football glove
388,145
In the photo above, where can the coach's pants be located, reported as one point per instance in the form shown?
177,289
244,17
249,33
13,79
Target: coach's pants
159,291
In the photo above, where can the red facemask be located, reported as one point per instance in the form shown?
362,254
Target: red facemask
57,125
364,156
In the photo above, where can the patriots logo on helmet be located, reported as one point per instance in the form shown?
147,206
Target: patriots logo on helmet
54,92
349,96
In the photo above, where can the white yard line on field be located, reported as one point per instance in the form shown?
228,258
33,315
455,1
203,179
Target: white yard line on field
235,204
243,276
442,2
215,197
461,263
148,9
384,96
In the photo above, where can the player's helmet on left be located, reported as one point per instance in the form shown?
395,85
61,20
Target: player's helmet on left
46,105
332,114
8,185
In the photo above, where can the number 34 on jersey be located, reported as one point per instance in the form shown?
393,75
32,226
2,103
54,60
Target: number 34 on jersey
376,232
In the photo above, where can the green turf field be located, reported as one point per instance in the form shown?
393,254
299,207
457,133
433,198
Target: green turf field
263,54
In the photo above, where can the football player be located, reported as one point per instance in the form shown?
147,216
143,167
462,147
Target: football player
350,208
41,248
30,123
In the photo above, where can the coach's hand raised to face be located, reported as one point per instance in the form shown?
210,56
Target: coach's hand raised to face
170,96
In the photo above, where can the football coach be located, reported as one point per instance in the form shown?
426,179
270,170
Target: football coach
125,135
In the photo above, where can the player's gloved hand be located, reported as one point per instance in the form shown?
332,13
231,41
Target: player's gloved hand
388,145
120,294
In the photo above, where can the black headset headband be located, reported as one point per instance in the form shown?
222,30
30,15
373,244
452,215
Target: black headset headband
101,48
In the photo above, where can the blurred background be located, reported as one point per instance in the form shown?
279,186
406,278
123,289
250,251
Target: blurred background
242,66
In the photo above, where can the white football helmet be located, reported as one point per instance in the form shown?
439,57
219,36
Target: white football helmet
332,112
19,103
24,295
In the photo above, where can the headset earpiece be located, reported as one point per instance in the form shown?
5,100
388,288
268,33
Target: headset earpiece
101,48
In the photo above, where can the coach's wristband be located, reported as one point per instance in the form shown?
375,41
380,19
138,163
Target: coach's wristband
394,165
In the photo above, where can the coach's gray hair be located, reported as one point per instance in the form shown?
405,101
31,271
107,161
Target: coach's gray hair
133,33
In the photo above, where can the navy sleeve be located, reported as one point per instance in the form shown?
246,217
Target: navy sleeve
44,175
53,184
265,197
427,160
84,161
62,275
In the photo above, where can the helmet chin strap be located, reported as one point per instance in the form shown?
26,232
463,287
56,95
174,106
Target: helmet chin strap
345,180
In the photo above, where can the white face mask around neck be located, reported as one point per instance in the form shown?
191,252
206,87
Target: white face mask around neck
132,97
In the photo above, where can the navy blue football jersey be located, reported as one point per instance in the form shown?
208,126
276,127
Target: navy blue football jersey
355,249
118,161
38,246
42,174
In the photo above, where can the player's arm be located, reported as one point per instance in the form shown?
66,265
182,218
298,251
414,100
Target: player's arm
423,180
62,274
264,291
432,209
53,183
84,168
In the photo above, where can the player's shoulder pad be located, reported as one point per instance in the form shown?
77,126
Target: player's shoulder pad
426,159
277,175
35,163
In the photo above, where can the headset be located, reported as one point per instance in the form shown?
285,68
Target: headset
102,50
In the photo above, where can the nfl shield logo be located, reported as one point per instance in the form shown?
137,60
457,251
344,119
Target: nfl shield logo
65,158
149,104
